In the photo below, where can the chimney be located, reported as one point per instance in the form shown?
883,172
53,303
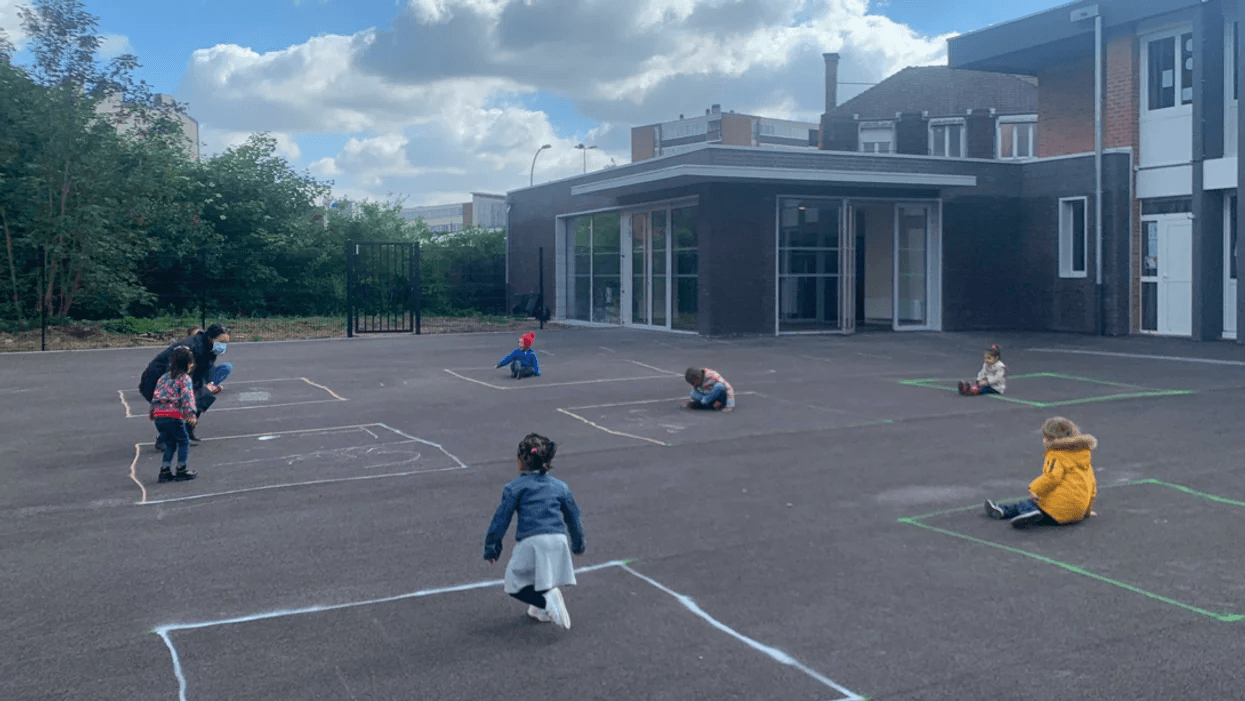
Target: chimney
832,81
717,109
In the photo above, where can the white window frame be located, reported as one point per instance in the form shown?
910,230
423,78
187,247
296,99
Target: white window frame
875,127
1065,237
1030,119
1179,107
961,123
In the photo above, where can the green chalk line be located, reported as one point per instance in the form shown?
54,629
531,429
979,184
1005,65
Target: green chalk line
1221,617
933,383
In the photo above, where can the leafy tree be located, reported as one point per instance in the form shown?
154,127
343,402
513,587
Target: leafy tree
91,165
263,216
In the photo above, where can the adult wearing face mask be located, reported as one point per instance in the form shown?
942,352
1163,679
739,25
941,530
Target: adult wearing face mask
207,376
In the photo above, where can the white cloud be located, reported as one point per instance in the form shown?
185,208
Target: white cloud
10,21
436,99
217,141
112,45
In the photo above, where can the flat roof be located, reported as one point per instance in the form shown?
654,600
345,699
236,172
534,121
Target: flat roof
690,173
1027,44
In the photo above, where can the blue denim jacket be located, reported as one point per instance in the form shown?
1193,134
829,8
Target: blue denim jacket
545,505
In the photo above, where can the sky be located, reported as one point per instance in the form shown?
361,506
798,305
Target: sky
427,101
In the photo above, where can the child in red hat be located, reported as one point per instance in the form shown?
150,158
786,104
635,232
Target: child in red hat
522,360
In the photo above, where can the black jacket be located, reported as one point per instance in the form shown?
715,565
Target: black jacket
200,346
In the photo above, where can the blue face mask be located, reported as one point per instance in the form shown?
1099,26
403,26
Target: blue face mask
218,348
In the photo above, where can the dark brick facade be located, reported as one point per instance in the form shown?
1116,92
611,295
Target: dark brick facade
1000,239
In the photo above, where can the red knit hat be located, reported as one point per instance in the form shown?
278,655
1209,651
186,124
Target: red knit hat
527,339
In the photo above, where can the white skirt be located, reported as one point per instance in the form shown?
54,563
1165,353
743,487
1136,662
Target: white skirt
541,562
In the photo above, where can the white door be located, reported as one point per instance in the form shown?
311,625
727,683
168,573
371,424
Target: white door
1167,276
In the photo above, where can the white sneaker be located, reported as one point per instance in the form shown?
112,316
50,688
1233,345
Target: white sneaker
555,608
538,614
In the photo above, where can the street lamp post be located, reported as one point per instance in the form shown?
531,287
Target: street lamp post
585,149
531,176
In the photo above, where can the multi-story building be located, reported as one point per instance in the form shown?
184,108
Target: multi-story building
718,127
484,211
943,199
1167,97
125,120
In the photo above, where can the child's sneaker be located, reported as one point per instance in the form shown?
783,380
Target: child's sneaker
166,474
555,608
963,387
1031,518
184,475
974,390
538,614
993,510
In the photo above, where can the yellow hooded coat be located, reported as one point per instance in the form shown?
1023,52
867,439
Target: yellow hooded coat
1067,488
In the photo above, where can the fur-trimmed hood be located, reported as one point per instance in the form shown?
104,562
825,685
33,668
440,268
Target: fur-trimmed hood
1082,441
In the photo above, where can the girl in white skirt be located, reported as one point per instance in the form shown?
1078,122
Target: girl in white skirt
549,530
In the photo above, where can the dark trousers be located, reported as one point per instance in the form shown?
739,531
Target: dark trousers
173,437
530,596
520,370
987,389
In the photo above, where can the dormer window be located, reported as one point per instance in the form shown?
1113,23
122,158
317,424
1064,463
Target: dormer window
877,137
1017,136
946,138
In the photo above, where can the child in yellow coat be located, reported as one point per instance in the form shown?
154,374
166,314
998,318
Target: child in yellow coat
1066,490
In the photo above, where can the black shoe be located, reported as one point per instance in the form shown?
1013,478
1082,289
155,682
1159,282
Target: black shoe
190,433
184,475
1031,518
166,475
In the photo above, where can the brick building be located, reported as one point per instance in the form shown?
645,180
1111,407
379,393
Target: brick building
950,198
718,127
1168,100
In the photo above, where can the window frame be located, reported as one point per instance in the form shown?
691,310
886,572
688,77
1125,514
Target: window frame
877,126
1177,33
1066,258
934,124
1001,122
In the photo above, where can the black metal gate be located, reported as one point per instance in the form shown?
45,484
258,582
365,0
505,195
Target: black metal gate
382,283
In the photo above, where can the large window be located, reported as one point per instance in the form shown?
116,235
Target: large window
877,137
1017,137
1169,71
593,260
1073,242
686,268
808,264
946,138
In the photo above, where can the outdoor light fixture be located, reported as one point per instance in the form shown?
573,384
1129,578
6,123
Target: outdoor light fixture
531,176
585,149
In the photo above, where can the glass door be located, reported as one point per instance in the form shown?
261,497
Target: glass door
809,265
847,270
650,261
911,267
640,268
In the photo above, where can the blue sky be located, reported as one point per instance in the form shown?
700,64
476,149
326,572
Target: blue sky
428,100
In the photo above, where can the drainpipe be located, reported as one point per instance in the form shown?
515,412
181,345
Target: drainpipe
1078,15
1102,325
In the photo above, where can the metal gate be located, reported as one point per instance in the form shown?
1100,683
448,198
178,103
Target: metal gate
382,287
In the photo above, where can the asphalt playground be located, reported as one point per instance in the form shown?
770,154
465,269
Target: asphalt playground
823,542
